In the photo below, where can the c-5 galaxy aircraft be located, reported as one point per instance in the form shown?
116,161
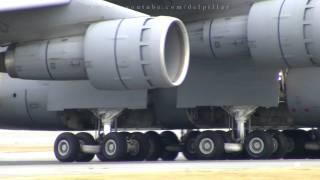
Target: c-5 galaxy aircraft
247,66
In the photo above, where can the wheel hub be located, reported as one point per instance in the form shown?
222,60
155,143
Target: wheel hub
111,147
206,146
256,145
63,147
134,147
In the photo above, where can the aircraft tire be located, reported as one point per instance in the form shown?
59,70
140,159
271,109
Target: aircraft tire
155,147
168,138
282,144
259,145
209,145
114,147
66,147
101,157
313,136
142,146
299,138
188,148
85,139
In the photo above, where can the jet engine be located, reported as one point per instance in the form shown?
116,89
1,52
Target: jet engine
277,33
283,32
126,54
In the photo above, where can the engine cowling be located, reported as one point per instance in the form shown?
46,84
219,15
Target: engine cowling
137,53
285,33
221,38
276,33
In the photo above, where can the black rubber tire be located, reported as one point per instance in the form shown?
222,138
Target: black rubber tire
86,139
120,145
283,144
299,138
73,145
168,138
226,136
313,136
155,147
143,146
218,142
99,155
267,140
127,134
188,145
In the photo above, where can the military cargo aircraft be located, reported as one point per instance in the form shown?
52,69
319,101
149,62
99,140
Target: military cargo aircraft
247,66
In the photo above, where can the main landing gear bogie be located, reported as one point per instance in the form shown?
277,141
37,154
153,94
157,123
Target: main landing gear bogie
117,146
194,145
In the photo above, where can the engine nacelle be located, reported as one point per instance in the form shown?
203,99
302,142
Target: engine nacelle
285,33
222,38
276,33
127,54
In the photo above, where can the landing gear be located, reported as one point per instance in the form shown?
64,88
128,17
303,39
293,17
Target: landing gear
259,145
189,145
85,139
137,146
195,145
171,146
209,145
120,146
155,146
114,147
239,143
281,143
298,140
66,147
312,145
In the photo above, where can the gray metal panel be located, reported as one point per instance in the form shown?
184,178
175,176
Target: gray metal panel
303,86
23,104
218,83
165,111
36,105
81,95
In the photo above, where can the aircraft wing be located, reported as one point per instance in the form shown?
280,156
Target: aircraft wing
189,10
14,5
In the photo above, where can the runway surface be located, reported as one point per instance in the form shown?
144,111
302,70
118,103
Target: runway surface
34,159
43,166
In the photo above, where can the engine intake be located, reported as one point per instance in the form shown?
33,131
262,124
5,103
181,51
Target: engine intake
126,54
137,53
